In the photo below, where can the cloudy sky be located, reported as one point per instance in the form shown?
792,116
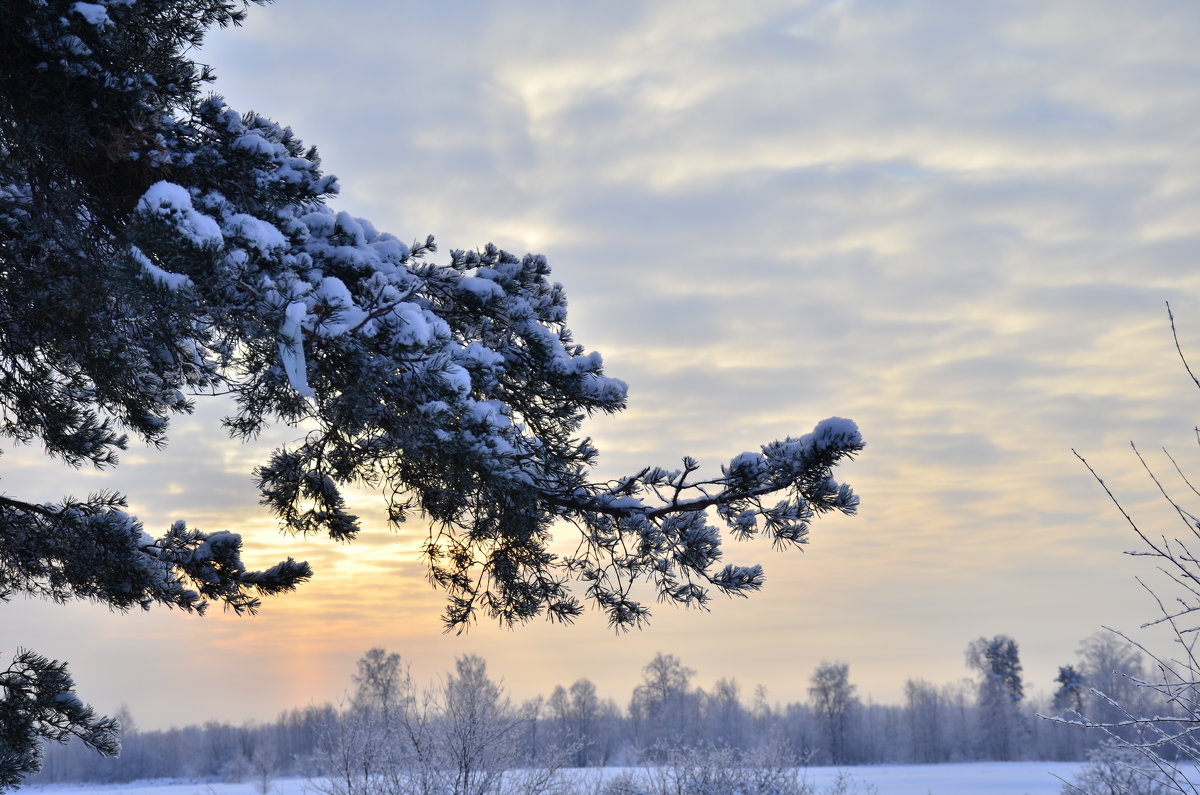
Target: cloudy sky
955,223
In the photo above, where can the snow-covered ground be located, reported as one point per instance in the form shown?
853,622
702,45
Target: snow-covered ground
982,778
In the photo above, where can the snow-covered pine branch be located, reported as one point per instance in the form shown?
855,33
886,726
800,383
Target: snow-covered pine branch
155,245
38,701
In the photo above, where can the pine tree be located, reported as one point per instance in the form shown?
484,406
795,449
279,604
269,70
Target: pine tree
1072,687
1001,689
156,245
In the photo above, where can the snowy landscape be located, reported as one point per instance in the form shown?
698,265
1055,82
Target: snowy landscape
1010,778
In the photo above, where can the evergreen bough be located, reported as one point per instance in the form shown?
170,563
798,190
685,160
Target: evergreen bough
156,245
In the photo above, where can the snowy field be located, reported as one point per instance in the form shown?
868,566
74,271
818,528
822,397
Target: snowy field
984,778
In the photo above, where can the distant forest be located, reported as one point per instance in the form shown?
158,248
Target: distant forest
988,717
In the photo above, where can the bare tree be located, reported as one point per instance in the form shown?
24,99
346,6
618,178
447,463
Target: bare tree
664,707
706,769
1113,667
833,700
726,720
1114,770
585,723
481,731
462,737
1159,716
924,707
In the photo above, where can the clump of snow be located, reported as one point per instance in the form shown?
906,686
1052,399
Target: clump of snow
491,412
414,328
165,278
389,247
603,389
94,13
749,466
291,349
482,356
74,45
320,224
483,289
173,203
836,432
458,379
346,316
354,228
253,141
257,232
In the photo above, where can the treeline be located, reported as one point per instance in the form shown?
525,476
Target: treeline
388,720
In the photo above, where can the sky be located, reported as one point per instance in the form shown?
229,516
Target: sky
956,223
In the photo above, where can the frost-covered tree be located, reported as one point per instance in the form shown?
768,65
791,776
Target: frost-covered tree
1068,703
1116,770
923,703
1001,688
1114,670
726,721
1146,701
156,245
665,708
833,701
1104,688
583,723
998,661
1072,686
463,737
481,733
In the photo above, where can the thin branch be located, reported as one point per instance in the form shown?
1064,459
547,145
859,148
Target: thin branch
1175,336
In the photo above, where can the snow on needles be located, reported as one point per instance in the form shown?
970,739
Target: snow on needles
164,278
794,454
173,203
94,13
291,349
